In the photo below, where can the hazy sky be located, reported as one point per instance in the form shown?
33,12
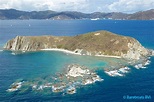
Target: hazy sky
87,6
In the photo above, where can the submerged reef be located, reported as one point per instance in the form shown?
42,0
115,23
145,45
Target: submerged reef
74,77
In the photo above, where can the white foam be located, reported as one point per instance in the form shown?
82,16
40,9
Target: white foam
147,62
34,86
15,86
58,88
113,73
139,66
40,88
142,65
124,70
13,53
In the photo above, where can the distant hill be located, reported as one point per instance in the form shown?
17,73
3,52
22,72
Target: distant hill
53,15
147,15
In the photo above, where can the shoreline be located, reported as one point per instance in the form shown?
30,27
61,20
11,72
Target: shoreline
71,52
108,56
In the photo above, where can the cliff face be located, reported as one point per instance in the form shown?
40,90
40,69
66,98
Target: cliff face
94,43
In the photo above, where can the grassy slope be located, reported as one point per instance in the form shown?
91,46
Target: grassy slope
103,42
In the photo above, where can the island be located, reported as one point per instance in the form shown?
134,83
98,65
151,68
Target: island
99,43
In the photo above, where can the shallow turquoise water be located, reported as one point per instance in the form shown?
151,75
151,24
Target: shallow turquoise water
35,66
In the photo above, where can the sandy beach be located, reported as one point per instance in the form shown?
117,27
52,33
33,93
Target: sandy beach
109,56
71,52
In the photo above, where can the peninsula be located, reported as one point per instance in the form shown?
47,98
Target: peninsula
99,43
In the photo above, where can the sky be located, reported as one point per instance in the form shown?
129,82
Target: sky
86,6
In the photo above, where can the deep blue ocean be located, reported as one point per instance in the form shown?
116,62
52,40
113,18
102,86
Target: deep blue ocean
37,65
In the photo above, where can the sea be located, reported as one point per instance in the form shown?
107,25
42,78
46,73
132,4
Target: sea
135,86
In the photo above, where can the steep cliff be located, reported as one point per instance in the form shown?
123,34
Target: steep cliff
34,43
94,43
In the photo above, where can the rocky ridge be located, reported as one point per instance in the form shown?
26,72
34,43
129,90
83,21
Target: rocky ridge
100,43
73,15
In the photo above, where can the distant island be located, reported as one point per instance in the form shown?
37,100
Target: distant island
99,43
7,14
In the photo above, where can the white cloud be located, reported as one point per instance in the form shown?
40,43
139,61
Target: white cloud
31,5
79,5
131,6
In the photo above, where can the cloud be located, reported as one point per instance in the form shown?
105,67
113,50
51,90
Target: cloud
31,5
131,6
87,6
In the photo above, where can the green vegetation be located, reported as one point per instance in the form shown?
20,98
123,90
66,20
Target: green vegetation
101,42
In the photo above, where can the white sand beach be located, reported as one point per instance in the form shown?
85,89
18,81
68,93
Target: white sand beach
71,52
109,56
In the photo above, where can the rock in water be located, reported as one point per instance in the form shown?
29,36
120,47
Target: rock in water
94,43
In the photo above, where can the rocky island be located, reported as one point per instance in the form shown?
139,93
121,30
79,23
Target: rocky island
99,43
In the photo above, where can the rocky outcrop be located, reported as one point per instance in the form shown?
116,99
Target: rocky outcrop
136,50
98,43
34,43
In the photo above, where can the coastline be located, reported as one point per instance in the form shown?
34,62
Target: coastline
71,52
108,56
140,65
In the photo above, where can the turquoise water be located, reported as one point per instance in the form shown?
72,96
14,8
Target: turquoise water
36,66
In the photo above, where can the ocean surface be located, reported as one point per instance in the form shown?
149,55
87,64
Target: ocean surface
135,86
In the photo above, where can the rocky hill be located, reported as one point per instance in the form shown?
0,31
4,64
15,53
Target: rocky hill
94,43
146,15
53,15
